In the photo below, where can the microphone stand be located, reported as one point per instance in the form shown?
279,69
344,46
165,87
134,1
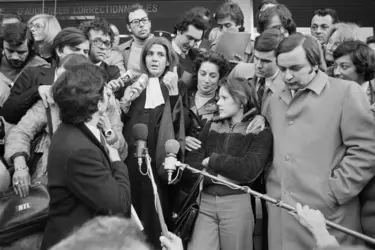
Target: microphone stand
158,207
277,203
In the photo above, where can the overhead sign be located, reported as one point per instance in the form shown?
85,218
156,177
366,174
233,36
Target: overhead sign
109,9
64,9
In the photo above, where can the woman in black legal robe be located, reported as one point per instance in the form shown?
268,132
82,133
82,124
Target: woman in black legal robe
159,106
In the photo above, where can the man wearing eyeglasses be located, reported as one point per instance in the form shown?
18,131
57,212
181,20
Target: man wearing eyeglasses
139,25
101,38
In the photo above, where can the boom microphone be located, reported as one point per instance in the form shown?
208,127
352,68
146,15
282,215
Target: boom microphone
140,132
171,149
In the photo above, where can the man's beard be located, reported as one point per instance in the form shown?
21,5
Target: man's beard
17,64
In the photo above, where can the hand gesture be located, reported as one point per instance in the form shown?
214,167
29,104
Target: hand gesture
256,125
170,80
131,93
116,84
171,243
113,154
311,219
46,95
192,143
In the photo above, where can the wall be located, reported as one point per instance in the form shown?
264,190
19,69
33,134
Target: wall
164,13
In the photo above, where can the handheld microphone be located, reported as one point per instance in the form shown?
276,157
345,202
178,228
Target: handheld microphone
171,149
140,132
129,75
141,82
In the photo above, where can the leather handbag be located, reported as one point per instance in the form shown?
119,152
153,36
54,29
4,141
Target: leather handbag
184,220
23,216
20,217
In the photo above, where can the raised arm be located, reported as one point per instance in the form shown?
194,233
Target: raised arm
18,141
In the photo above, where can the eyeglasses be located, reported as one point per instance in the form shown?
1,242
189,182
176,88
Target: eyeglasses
137,22
37,26
99,43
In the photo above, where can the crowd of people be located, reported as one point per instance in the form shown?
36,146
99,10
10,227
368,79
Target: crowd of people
293,117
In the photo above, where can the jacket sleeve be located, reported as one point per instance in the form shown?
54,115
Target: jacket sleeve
248,167
23,95
105,191
114,116
357,128
194,158
18,141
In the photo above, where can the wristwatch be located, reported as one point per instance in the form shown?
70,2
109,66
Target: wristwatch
108,133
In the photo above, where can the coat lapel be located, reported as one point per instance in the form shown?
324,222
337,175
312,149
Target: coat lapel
94,140
285,95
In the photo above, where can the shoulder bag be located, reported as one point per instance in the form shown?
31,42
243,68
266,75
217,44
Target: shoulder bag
184,220
20,217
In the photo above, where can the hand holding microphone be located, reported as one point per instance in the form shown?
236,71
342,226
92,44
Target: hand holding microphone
133,92
116,84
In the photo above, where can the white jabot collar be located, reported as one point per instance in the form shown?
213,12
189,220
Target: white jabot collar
154,96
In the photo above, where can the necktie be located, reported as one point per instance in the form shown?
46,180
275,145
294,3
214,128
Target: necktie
260,91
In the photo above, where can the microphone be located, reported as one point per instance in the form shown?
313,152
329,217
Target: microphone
129,75
171,149
140,132
141,82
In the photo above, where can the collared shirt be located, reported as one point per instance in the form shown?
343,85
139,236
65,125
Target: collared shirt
99,63
269,80
94,130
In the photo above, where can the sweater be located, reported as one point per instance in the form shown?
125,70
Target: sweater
232,153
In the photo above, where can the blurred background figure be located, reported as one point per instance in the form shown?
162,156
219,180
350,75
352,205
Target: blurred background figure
322,24
355,61
6,18
341,32
370,41
44,29
113,233
116,34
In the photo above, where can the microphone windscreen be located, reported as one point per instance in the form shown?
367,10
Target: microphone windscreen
172,147
140,132
142,80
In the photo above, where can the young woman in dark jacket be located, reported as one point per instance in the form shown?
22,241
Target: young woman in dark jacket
226,219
